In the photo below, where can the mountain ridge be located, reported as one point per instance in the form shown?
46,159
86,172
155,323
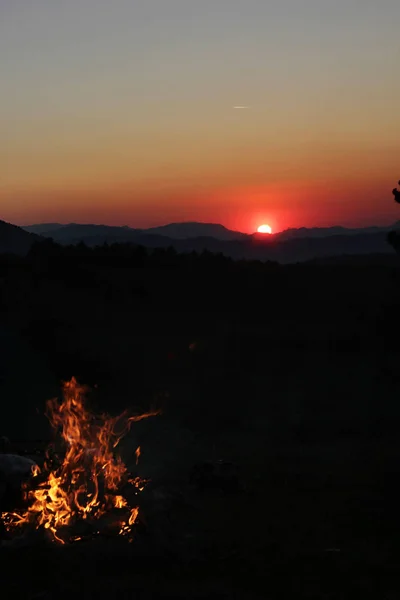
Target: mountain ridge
295,248
183,230
192,229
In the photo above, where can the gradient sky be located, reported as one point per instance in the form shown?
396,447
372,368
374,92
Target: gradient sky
122,111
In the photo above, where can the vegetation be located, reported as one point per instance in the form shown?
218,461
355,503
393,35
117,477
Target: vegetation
393,236
258,329
289,371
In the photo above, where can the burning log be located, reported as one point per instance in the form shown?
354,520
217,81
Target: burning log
79,491
15,465
15,473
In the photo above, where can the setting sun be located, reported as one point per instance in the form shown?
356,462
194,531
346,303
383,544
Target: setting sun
264,229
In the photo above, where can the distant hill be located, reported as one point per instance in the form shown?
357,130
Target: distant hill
305,249
14,240
188,230
294,250
73,232
42,227
321,232
292,245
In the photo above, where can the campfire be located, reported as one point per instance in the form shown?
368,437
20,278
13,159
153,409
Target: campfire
84,488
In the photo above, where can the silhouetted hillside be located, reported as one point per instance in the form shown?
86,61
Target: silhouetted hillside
14,240
62,233
289,251
268,249
292,245
195,230
73,232
41,228
321,232
305,249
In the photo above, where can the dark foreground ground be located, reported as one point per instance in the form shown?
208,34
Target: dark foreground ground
312,523
290,373
277,574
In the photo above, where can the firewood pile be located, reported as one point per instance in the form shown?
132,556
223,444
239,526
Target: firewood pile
163,508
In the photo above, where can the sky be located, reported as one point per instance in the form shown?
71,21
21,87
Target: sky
123,112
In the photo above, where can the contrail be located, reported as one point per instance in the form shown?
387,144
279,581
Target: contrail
241,107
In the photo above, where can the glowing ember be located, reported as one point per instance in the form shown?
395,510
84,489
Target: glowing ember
89,480
137,454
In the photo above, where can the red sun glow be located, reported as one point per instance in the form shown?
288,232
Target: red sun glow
264,229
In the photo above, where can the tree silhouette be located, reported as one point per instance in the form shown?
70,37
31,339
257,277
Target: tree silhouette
393,237
396,193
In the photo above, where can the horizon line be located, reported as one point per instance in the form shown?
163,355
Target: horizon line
96,224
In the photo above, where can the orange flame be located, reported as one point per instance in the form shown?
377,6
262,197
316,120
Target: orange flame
84,485
137,454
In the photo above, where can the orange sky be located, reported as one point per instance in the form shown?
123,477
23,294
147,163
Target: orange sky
125,114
